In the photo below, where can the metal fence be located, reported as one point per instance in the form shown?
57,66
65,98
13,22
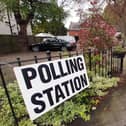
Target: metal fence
101,63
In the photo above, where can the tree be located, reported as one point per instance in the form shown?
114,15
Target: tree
95,31
50,21
24,11
53,27
27,11
2,11
115,12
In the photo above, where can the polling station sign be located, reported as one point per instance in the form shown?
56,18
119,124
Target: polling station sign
48,84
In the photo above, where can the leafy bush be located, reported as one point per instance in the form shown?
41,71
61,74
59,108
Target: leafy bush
78,106
11,44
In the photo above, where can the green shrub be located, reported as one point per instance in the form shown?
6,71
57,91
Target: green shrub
11,44
8,44
78,106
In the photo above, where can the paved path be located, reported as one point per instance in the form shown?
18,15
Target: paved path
112,111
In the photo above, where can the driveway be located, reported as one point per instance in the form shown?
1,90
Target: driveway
30,55
23,55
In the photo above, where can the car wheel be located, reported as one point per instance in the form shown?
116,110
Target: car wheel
35,49
63,49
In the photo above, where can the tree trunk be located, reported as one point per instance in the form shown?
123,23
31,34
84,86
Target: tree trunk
23,29
22,37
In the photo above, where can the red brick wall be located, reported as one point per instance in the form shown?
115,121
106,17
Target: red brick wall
74,32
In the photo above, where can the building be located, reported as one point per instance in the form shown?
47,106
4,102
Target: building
8,25
93,31
74,30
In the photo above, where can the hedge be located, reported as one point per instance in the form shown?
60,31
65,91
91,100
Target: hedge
11,44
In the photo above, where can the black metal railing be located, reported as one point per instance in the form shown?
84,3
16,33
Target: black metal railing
102,63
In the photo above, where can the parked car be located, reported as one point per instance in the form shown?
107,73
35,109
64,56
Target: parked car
52,44
68,38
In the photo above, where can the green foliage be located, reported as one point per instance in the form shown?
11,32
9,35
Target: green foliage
99,85
54,27
119,49
9,3
78,106
50,19
10,44
50,15
17,101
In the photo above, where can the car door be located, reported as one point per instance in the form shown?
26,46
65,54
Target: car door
54,45
44,45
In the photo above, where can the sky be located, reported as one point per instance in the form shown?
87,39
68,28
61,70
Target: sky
73,16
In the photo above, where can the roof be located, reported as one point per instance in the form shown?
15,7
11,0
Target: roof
44,35
74,26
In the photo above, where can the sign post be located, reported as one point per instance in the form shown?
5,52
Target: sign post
46,85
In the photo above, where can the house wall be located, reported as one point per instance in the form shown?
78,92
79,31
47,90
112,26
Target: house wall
74,32
5,29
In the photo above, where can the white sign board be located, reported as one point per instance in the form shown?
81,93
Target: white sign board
46,85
